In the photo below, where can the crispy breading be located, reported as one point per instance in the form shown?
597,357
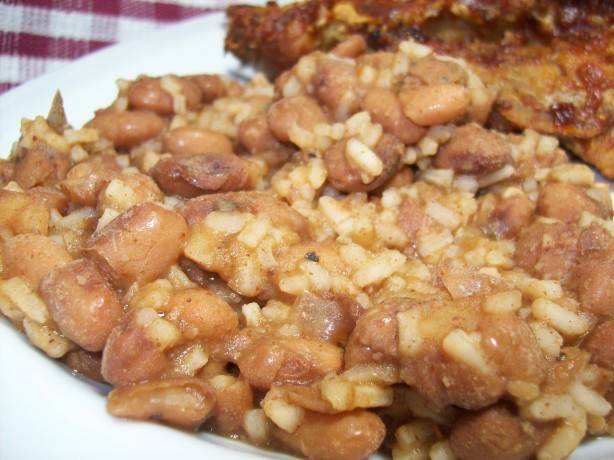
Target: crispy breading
552,62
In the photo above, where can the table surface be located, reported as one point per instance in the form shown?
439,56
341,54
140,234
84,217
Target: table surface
38,36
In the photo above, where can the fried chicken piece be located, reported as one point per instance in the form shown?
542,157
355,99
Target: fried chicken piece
551,61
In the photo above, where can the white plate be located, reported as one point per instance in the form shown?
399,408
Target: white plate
44,411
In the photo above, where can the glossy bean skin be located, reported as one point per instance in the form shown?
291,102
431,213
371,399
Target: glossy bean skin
85,363
385,108
131,355
303,111
271,361
192,175
140,245
211,86
82,303
346,436
337,87
192,139
473,150
552,260
202,314
257,138
433,71
350,47
434,104
329,318
345,176
128,128
231,405
566,202
183,402
593,279
146,93
496,432
85,180
41,253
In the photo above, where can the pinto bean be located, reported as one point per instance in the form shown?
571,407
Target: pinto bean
473,150
41,165
434,104
192,139
594,239
277,360
600,344
345,176
82,303
373,339
182,401
211,282
337,86
414,336
51,197
257,138
85,363
565,201
139,245
147,93
327,318
129,128
192,175
434,71
346,436
22,213
462,282
350,47
303,111
496,432
85,180
211,86
307,396
232,403
32,257
594,282
202,314
506,343
253,202
126,190
547,251
511,215
385,108
131,354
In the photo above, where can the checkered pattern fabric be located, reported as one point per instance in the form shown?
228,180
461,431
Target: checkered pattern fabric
37,36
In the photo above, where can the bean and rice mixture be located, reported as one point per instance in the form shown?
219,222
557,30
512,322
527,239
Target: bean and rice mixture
341,262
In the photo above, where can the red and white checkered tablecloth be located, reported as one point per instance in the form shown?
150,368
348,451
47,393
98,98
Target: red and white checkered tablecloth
37,36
